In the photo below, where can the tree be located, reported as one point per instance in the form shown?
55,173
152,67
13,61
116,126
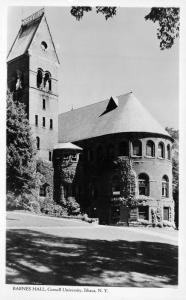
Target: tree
168,29
20,149
175,169
167,17
107,11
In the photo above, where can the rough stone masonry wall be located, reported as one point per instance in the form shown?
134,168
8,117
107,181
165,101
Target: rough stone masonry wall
99,174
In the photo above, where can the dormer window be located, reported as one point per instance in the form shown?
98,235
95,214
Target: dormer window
44,46
112,104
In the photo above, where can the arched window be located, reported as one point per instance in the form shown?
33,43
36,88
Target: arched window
168,152
123,148
161,150
39,78
99,153
37,142
47,81
143,183
137,148
150,148
110,151
115,186
165,186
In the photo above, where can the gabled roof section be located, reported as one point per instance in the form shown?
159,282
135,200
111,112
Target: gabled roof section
112,104
91,121
26,35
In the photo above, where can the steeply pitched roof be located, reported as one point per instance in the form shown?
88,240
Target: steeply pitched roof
26,34
107,117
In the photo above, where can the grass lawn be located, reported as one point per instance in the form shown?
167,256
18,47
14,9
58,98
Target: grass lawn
68,252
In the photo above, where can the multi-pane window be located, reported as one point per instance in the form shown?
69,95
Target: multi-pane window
137,148
44,104
165,186
143,183
36,120
150,148
123,149
37,142
44,122
143,212
161,152
51,123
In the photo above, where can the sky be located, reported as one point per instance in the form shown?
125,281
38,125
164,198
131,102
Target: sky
100,59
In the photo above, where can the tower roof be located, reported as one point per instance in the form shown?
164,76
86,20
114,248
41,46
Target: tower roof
122,114
26,35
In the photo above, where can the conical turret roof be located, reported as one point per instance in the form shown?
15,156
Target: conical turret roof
121,114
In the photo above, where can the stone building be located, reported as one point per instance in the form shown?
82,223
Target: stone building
100,141
33,78
104,153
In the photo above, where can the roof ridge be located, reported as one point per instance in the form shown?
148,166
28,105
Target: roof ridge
75,109
38,14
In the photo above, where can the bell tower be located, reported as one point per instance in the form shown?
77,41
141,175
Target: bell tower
33,79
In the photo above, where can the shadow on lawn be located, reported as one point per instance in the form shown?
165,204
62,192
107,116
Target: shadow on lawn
37,258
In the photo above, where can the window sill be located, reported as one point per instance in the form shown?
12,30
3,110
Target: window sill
161,158
136,156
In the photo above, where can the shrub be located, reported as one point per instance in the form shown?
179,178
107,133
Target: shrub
144,222
160,224
86,218
72,206
31,202
168,224
13,202
49,207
